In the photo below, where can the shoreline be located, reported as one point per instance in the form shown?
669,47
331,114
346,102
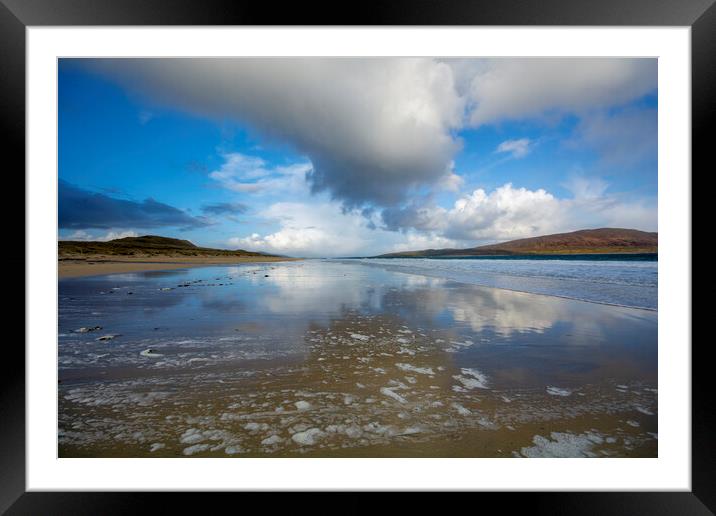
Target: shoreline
427,274
76,268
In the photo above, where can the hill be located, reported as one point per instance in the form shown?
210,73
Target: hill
143,246
585,241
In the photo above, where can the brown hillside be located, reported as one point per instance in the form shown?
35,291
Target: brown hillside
144,246
586,241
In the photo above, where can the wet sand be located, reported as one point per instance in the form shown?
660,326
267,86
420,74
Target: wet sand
70,268
328,360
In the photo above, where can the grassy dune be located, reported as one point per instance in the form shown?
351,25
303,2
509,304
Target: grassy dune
144,247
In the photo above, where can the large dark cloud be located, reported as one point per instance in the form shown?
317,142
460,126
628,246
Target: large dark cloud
224,208
82,209
374,129
420,214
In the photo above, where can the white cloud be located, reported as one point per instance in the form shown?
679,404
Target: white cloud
509,213
640,214
415,241
505,213
145,117
112,235
310,230
586,188
519,88
481,217
324,230
624,138
451,181
250,174
81,235
517,148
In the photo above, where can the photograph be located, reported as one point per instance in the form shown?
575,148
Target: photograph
375,257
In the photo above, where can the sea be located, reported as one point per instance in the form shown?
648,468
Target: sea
616,279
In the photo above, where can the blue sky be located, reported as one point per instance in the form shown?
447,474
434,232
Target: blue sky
339,157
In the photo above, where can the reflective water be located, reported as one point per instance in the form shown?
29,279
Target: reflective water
607,279
339,358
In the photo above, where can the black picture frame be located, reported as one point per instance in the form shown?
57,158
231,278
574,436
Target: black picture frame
16,15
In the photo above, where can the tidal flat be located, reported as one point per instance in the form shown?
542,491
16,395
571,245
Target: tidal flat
328,358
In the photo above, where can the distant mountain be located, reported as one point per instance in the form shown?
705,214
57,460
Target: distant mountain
585,241
149,245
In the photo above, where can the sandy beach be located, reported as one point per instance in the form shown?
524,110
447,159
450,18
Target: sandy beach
100,265
320,358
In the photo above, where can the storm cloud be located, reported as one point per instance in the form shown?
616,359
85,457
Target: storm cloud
374,129
83,209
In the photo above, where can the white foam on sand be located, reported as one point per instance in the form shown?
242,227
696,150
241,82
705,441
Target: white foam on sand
413,369
556,391
383,430
411,430
472,379
389,392
191,450
461,410
269,441
353,431
308,437
302,405
563,445
358,336
252,427
192,435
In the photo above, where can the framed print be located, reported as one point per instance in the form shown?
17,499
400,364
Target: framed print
432,247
